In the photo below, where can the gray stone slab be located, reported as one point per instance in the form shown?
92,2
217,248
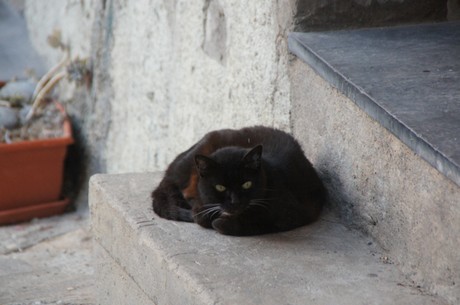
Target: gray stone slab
56,271
378,184
407,78
123,290
181,263
17,55
19,237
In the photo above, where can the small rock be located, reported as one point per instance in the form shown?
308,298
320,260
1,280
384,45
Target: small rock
386,260
18,91
23,113
9,117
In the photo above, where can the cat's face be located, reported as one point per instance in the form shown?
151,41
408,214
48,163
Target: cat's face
231,178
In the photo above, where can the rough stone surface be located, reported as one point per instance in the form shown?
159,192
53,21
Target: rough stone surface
180,80
19,237
47,262
379,184
18,91
74,19
8,117
156,261
117,286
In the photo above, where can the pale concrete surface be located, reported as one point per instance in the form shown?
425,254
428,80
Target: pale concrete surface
117,286
74,20
167,262
379,184
19,237
47,261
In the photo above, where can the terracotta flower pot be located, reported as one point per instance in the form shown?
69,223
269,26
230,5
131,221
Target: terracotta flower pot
31,174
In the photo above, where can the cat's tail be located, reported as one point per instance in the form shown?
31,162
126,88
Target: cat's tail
168,202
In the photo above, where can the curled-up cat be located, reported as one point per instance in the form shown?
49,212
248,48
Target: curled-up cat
250,181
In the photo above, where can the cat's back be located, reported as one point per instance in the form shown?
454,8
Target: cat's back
279,147
272,139
277,144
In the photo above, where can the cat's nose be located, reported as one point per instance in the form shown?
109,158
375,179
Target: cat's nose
234,199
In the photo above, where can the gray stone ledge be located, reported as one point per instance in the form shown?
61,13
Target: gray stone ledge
407,78
171,263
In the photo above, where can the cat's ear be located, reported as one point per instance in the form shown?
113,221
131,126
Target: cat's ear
253,158
204,164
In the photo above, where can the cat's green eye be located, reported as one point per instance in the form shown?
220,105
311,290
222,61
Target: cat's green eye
220,188
246,185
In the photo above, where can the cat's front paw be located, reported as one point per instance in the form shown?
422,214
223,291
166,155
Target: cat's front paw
205,215
226,226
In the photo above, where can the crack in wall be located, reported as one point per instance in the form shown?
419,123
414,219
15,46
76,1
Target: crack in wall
214,31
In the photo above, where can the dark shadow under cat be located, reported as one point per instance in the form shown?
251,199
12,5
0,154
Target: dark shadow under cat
251,181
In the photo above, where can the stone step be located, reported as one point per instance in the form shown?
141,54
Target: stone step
376,111
143,259
406,78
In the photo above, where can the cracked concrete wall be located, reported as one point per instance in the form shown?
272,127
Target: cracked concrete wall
182,68
166,72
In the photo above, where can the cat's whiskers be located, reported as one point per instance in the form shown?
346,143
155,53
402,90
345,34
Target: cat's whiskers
263,200
211,210
260,203
216,211
205,211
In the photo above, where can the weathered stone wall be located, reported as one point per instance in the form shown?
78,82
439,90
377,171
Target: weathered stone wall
172,70
183,68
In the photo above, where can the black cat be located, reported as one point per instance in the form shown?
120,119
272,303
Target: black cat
250,181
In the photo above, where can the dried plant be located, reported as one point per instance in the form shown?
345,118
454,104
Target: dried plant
76,70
